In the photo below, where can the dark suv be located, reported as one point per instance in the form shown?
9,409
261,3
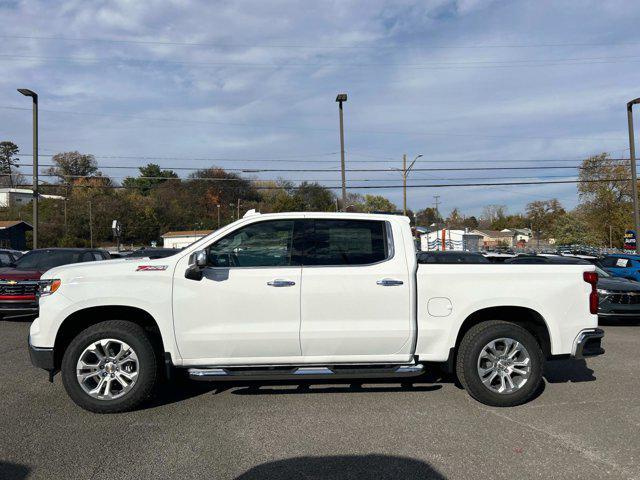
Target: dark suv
19,282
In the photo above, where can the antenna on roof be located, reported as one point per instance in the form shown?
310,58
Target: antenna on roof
251,213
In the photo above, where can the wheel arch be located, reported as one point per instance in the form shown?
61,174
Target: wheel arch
87,317
525,317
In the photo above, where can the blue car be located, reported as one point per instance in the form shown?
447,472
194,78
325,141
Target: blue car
625,265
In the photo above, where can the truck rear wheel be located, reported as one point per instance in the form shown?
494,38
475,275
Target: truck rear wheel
110,367
500,363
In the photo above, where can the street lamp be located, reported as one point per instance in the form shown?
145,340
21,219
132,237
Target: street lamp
405,172
342,97
34,96
634,179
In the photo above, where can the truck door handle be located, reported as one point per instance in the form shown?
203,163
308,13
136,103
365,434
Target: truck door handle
281,283
389,282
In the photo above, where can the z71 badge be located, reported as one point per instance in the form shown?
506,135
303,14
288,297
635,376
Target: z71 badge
151,268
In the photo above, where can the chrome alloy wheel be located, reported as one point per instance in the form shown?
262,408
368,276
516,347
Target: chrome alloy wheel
504,365
107,369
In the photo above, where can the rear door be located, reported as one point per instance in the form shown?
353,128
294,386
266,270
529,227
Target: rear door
356,292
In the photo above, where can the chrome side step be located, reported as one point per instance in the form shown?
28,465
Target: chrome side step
304,372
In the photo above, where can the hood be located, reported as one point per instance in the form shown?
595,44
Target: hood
105,268
618,284
15,274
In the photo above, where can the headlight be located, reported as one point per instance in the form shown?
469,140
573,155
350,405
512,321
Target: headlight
47,287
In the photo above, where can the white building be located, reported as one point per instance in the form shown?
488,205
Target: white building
447,239
15,197
183,238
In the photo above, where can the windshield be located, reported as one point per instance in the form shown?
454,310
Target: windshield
602,273
44,260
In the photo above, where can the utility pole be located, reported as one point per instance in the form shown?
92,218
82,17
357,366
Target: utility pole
437,202
405,172
634,176
90,226
342,97
610,236
238,209
66,230
34,96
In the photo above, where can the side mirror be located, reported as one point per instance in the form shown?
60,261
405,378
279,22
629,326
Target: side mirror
194,272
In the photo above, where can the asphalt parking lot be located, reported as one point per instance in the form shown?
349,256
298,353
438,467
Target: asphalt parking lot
585,423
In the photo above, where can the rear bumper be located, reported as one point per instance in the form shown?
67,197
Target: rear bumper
42,357
588,343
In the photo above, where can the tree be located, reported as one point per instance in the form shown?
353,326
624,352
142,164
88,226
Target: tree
455,219
8,159
70,166
378,203
427,217
313,197
572,228
605,197
543,215
151,176
493,213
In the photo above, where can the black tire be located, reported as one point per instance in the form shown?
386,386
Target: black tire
469,352
148,372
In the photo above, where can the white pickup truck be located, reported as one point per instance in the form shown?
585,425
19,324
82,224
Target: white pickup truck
308,295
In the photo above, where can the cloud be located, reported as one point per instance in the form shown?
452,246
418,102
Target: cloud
457,81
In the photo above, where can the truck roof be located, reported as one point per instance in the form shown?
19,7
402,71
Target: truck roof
337,215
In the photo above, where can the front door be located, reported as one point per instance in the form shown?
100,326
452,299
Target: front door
356,301
246,308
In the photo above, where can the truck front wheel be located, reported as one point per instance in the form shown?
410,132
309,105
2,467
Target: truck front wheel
110,367
500,363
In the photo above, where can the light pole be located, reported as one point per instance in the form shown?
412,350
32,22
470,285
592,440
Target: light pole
405,172
342,97
634,176
34,96
218,205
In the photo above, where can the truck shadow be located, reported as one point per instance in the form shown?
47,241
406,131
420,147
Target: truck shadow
13,471
625,322
570,370
556,371
360,467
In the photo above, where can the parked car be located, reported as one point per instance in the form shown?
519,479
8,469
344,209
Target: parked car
618,298
153,252
308,295
625,265
451,256
19,283
7,257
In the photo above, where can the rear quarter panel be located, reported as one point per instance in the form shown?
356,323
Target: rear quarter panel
557,292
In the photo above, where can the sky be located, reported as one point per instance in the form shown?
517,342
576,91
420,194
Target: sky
251,85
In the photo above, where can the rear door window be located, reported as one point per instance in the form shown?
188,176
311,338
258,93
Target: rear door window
346,242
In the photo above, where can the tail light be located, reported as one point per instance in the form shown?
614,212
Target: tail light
592,279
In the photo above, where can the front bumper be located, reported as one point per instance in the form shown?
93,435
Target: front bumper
42,357
18,308
588,343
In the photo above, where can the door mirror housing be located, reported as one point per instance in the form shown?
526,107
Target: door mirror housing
194,272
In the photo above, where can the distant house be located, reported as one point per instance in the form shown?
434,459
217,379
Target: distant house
13,234
180,239
14,197
495,238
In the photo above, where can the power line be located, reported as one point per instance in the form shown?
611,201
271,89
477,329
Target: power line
304,46
301,159
437,65
364,187
317,170
297,127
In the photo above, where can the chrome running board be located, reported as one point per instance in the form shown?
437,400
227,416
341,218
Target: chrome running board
304,372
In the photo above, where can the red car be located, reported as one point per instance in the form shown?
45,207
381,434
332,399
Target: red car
19,283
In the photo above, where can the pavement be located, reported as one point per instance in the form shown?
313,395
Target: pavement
584,424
